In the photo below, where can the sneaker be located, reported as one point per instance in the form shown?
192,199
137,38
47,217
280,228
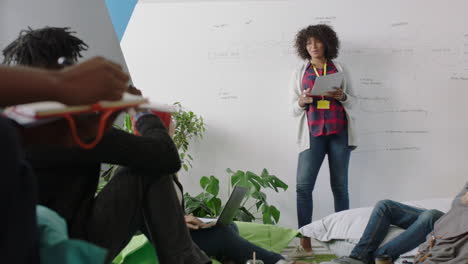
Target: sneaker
344,260
299,252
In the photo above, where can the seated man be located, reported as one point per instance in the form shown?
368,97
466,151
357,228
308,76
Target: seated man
91,81
417,222
448,242
140,195
225,243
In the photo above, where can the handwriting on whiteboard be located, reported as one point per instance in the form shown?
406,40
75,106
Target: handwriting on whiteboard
399,24
225,95
374,111
396,132
363,150
325,19
370,82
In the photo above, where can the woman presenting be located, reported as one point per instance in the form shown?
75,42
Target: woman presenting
325,123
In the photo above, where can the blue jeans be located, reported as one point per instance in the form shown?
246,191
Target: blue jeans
417,222
309,163
225,242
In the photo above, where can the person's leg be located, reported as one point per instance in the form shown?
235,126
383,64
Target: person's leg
225,242
18,196
385,213
118,213
308,167
115,215
164,222
413,236
338,160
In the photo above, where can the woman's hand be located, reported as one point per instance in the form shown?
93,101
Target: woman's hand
305,98
337,94
194,223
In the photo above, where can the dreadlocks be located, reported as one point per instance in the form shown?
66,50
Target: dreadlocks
43,47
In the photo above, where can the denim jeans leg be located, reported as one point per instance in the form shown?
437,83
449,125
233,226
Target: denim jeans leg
413,236
385,213
308,167
338,160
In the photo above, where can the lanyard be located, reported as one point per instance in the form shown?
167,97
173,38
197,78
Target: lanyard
324,69
317,74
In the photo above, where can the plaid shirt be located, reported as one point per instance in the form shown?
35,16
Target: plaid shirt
323,122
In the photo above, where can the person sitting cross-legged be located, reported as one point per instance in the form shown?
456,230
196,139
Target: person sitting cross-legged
139,197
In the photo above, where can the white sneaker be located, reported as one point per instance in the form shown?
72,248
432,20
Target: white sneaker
299,252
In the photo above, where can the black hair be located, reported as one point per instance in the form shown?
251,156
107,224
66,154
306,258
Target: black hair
42,47
321,32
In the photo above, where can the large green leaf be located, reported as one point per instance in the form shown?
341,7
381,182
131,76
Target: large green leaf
213,186
255,180
240,178
275,213
274,183
215,206
204,181
266,214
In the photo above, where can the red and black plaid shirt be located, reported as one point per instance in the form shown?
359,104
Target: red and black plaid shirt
323,122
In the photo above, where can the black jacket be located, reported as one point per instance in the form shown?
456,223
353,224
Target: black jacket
68,177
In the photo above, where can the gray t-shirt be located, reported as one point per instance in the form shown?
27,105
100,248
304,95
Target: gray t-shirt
449,237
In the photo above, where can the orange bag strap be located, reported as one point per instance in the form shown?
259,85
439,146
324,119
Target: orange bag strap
100,133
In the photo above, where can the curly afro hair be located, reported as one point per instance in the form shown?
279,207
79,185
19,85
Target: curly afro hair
43,47
321,32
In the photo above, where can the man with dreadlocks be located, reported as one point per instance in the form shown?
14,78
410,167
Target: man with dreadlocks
91,81
42,48
140,195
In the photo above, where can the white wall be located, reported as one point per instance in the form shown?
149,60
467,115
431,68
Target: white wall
231,61
89,18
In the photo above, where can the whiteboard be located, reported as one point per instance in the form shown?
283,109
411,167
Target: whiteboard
231,62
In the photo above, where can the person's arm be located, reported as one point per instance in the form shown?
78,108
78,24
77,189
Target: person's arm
195,223
85,83
153,150
295,95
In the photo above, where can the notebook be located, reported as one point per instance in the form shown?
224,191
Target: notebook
33,114
229,210
25,114
327,83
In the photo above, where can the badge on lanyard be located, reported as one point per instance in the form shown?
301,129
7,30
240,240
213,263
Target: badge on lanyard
322,104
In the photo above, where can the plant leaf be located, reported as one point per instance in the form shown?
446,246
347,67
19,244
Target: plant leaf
213,186
215,205
244,215
266,213
204,181
275,213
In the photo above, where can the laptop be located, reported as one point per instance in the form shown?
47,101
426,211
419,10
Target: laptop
229,210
